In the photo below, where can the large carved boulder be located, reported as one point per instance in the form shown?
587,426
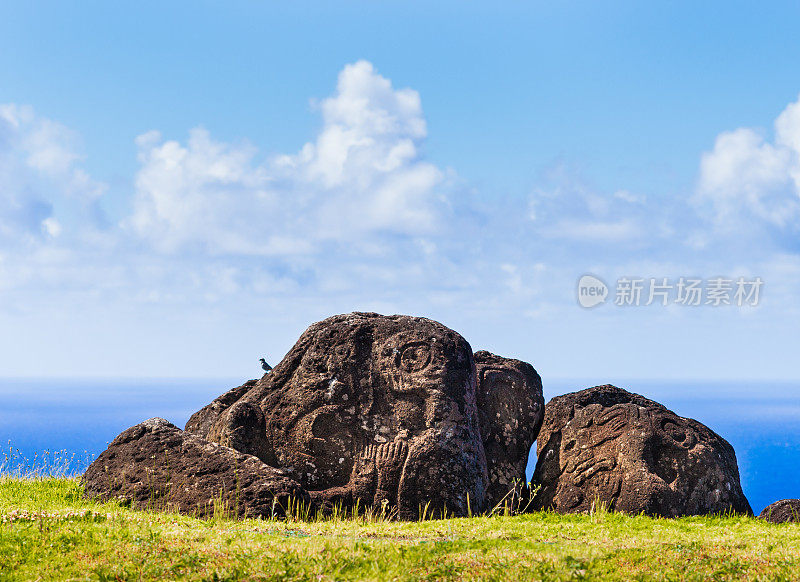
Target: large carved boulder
156,465
511,410
634,455
369,408
785,510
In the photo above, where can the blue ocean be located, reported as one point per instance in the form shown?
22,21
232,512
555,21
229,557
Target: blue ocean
38,417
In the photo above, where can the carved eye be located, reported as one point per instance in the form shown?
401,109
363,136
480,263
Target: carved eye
414,357
673,430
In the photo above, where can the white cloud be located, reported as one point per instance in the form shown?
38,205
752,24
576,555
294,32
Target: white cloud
205,193
564,207
364,174
45,145
222,243
613,231
628,196
745,176
52,227
39,173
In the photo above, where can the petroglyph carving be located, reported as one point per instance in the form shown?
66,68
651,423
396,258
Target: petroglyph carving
372,408
606,444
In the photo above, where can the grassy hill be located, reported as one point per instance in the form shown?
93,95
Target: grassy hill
47,531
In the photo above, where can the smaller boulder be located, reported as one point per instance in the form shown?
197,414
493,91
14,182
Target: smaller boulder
510,411
783,511
155,465
606,445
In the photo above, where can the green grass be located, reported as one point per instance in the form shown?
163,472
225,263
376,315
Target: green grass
48,531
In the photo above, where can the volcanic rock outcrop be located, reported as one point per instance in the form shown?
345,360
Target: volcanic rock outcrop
510,410
365,409
607,445
785,510
156,465
370,408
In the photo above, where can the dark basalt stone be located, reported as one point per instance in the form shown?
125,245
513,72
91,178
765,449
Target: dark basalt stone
511,410
366,408
202,420
634,455
783,511
156,465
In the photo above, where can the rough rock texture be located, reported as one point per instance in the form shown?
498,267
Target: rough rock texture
365,407
202,420
635,455
782,511
510,410
232,422
155,464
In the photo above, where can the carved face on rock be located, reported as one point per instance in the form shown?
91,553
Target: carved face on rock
634,455
511,409
351,407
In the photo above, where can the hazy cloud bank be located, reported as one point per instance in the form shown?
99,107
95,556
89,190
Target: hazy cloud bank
359,218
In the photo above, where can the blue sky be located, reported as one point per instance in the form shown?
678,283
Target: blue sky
185,186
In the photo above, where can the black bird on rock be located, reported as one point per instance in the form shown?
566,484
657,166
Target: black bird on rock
264,365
